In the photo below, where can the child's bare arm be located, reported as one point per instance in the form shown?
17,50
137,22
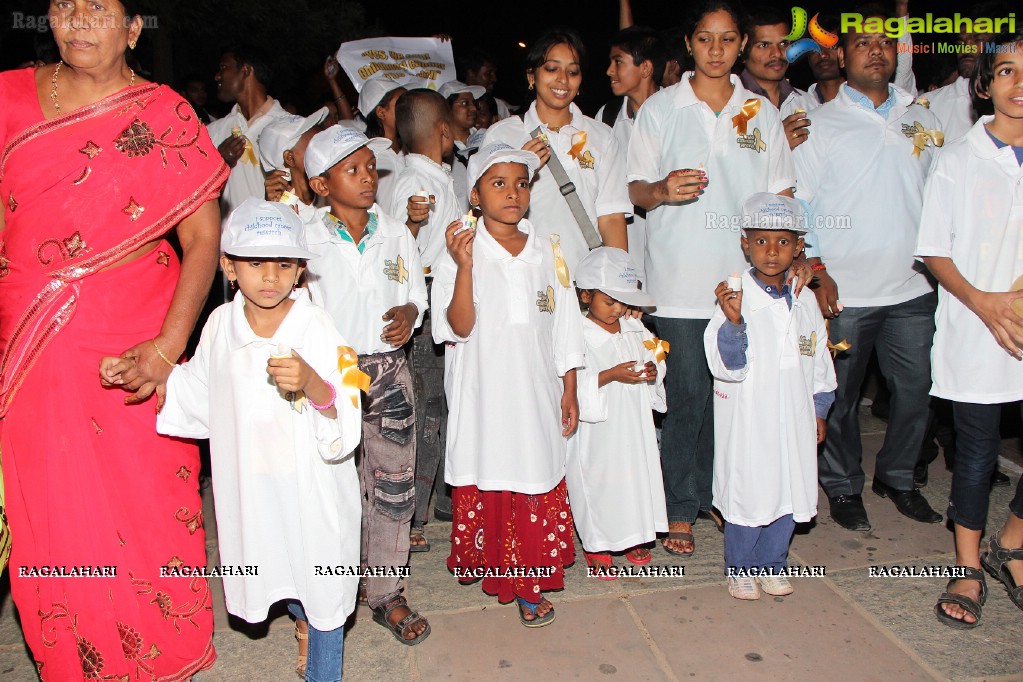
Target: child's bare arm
462,309
569,404
624,374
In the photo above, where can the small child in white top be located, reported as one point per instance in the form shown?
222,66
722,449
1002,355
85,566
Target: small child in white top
774,383
265,386
614,466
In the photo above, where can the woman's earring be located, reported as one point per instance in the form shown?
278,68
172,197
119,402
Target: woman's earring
232,284
530,86
132,44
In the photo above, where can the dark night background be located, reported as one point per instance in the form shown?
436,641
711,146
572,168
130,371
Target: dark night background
300,33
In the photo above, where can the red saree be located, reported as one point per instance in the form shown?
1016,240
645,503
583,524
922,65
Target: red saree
88,481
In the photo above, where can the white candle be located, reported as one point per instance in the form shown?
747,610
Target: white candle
422,197
735,282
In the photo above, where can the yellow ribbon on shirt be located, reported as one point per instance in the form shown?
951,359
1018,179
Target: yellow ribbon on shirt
660,348
560,266
749,109
353,379
921,137
836,348
578,145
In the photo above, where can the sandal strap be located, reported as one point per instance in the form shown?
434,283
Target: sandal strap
407,622
392,605
970,573
1004,554
970,605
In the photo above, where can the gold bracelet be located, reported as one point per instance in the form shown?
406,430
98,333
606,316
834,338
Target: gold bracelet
160,353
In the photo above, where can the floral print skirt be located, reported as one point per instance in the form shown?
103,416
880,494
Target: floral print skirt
519,544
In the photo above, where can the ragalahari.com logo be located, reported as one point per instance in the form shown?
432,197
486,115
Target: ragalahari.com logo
798,45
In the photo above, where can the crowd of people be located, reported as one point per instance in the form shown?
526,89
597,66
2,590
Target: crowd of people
439,299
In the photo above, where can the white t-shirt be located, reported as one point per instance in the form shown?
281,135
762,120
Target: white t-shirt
246,179
357,289
287,496
421,172
503,380
691,247
864,183
954,108
636,227
598,172
973,214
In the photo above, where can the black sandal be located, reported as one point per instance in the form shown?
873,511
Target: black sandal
381,614
971,606
994,561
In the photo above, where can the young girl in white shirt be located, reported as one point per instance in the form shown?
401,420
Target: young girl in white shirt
614,466
971,239
504,303
266,387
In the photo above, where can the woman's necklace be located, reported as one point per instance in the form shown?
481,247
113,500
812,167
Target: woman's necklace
53,83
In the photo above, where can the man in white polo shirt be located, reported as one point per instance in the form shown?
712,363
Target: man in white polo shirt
862,172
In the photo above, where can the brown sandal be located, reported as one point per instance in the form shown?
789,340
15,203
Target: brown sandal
381,614
301,660
994,561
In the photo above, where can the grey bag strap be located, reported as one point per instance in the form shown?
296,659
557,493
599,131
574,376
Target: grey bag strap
567,188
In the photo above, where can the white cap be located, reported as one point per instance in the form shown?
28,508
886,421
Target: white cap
264,229
766,211
373,92
335,143
610,270
498,152
283,134
458,87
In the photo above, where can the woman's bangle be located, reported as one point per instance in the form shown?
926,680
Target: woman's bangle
817,267
160,353
329,404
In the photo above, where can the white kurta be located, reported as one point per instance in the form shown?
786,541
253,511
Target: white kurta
421,172
765,425
357,289
502,380
614,466
287,496
973,214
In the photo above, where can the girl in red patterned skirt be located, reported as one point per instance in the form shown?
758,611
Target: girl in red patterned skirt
505,305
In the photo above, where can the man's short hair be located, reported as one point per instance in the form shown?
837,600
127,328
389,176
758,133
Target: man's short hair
416,114
643,44
255,58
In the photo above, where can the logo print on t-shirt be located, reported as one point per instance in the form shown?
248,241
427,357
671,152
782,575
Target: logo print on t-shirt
545,300
808,346
752,141
395,270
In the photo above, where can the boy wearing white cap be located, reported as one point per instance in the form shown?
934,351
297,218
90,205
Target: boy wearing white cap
369,277
287,493
774,383
463,101
282,146
614,467
503,302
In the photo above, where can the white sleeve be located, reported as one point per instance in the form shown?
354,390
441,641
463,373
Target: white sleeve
781,169
644,154
401,190
443,289
714,361
186,409
417,291
592,396
823,366
904,76
612,190
936,229
569,347
336,438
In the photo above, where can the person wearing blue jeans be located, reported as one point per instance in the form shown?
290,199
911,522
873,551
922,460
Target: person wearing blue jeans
326,650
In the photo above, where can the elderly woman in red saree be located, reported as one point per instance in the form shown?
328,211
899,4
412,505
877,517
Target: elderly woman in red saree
96,166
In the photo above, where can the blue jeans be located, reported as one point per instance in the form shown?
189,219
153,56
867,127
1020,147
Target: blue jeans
902,334
977,442
687,433
763,547
326,650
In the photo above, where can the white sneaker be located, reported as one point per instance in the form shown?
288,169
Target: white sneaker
775,585
743,587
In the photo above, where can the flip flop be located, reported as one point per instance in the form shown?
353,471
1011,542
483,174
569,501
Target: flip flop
538,621
631,556
418,547
601,565
678,535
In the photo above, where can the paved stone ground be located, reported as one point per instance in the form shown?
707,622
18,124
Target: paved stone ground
845,626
